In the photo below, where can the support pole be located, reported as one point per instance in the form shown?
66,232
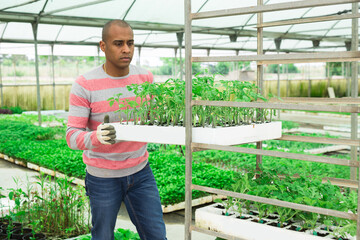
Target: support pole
174,63
53,74
347,66
286,66
354,90
98,57
188,121
328,69
138,60
260,75
1,84
180,36
208,54
354,172
35,28
309,79
237,67
278,45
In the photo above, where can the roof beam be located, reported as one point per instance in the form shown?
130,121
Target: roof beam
268,8
149,45
75,6
6,16
308,20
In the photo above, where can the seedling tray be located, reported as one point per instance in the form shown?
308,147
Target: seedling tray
212,218
219,135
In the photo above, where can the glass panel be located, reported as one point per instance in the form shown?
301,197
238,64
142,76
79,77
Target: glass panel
109,10
34,7
70,50
172,11
159,39
312,26
2,27
16,48
48,32
18,31
283,15
6,4
72,33
340,32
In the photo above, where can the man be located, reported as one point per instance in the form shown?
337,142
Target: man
116,171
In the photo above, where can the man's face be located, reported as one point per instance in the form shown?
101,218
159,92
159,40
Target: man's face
118,47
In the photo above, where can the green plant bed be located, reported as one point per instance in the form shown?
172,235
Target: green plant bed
11,110
169,170
247,162
38,145
34,144
303,190
21,140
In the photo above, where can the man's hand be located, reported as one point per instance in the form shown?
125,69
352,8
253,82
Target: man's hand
105,133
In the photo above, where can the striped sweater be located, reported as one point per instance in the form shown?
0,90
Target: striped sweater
88,106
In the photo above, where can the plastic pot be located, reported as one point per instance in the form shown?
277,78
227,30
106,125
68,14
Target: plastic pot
3,236
36,236
20,233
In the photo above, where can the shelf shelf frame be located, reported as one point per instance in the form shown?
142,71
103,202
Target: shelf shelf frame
349,105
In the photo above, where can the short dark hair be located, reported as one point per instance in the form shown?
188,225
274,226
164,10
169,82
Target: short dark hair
118,22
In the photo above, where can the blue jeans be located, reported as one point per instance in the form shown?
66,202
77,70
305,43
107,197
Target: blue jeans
142,201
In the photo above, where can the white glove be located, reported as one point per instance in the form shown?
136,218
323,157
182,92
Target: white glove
105,133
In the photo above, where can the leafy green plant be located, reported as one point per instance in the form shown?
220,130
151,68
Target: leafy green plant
124,234
227,204
263,191
53,207
242,185
12,110
164,104
289,125
119,234
347,227
285,214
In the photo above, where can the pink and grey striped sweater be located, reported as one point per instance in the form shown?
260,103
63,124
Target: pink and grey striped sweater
88,106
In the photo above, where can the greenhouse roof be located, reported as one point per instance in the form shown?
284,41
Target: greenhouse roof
157,24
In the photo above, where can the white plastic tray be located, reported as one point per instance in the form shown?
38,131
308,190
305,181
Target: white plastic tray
211,218
218,135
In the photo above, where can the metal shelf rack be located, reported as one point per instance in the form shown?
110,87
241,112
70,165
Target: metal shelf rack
351,104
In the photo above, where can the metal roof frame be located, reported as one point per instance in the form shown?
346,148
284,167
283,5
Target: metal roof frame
44,17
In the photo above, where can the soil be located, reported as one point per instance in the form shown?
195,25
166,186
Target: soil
261,221
276,224
320,234
219,206
253,213
228,214
295,228
326,229
271,217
